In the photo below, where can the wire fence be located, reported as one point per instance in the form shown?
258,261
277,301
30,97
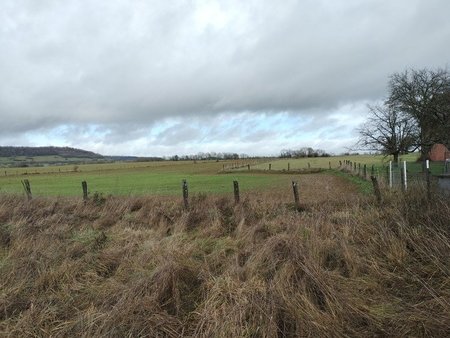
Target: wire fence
403,174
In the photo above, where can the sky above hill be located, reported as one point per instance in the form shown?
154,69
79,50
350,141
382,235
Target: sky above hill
123,77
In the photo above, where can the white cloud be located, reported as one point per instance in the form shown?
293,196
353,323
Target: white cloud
127,67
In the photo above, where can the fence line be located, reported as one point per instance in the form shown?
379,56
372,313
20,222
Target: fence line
405,174
395,176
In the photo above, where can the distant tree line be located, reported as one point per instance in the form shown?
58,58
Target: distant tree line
303,152
208,156
9,151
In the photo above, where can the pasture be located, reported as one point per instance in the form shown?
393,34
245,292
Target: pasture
323,162
380,162
164,177
134,178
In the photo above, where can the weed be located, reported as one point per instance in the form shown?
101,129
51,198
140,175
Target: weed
98,198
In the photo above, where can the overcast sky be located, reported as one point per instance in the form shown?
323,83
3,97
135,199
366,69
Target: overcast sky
123,77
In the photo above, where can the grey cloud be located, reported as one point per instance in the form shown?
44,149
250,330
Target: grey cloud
131,64
178,133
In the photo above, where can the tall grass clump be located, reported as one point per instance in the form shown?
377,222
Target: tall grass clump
145,266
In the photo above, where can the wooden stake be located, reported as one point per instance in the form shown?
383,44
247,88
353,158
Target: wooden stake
376,188
296,196
236,192
85,190
428,177
185,194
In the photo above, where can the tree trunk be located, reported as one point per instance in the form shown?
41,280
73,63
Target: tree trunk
395,158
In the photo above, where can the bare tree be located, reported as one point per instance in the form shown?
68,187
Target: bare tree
389,131
439,121
424,95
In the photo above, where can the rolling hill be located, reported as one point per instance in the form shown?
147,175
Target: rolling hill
10,151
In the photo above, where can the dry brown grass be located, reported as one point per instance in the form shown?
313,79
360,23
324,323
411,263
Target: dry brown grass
146,267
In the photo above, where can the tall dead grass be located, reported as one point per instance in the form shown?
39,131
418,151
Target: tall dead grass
146,267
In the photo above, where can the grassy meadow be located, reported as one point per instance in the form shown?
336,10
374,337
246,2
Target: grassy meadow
131,178
164,177
324,162
380,162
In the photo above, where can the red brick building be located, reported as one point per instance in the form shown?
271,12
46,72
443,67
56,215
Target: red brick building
438,152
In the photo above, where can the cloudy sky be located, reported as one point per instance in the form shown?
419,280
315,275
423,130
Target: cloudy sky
158,77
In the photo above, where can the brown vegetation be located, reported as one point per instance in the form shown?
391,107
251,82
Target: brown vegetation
146,267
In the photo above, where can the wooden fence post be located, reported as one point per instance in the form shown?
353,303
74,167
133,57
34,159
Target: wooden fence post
185,194
270,166
85,190
329,165
27,188
376,188
248,165
428,178
296,196
236,192
372,172
365,172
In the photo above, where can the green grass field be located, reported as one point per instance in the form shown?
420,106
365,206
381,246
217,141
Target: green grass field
324,162
379,161
164,177
159,178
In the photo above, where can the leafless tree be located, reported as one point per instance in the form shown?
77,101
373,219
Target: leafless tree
388,130
424,95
